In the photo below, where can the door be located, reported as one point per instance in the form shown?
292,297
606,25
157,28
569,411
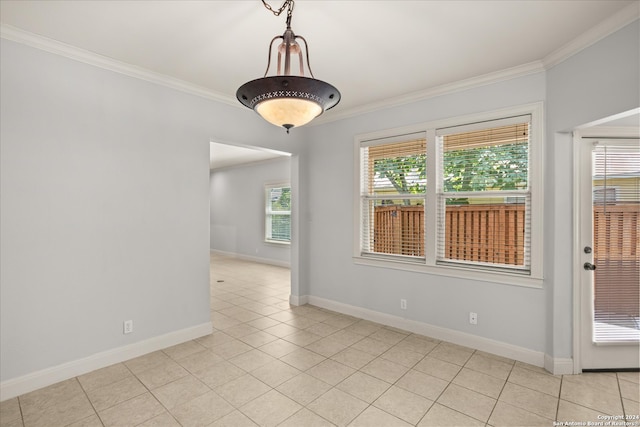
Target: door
609,248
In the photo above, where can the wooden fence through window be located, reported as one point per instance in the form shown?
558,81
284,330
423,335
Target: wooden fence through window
399,230
495,233
483,233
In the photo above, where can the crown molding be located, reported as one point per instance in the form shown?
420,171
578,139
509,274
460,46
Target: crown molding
449,88
603,29
72,52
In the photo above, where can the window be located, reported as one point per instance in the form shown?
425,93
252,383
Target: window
484,203
278,213
393,194
459,197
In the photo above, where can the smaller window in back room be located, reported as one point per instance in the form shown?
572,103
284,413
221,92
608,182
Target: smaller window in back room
278,213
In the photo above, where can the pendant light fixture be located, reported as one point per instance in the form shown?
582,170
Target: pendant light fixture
284,99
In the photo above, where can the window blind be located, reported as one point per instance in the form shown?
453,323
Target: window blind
484,199
393,188
616,233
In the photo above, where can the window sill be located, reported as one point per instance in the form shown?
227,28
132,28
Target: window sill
277,242
469,273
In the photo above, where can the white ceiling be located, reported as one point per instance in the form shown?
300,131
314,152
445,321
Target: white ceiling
375,52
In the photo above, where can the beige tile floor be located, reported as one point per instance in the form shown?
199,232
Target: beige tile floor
269,364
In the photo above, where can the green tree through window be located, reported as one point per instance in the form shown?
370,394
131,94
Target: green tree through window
498,167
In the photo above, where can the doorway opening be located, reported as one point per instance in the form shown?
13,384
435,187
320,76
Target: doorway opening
238,176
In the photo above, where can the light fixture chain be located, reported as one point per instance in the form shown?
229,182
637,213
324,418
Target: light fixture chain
288,4
282,8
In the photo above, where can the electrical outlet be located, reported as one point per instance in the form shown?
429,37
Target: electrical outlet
403,304
127,327
473,318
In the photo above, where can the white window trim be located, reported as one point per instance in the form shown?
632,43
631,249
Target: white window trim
428,266
367,197
267,188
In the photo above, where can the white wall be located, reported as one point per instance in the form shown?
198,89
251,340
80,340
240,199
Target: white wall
237,210
105,211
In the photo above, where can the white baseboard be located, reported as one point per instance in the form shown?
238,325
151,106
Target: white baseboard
532,357
267,261
36,380
298,300
558,366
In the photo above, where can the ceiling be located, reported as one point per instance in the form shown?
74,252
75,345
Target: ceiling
375,52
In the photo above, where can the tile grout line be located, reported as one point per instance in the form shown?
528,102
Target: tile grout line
20,408
624,411
501,391
89,399
559,396
403,375
447,387
148,391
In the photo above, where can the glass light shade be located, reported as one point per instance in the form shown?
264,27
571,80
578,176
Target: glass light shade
288,101
288,112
